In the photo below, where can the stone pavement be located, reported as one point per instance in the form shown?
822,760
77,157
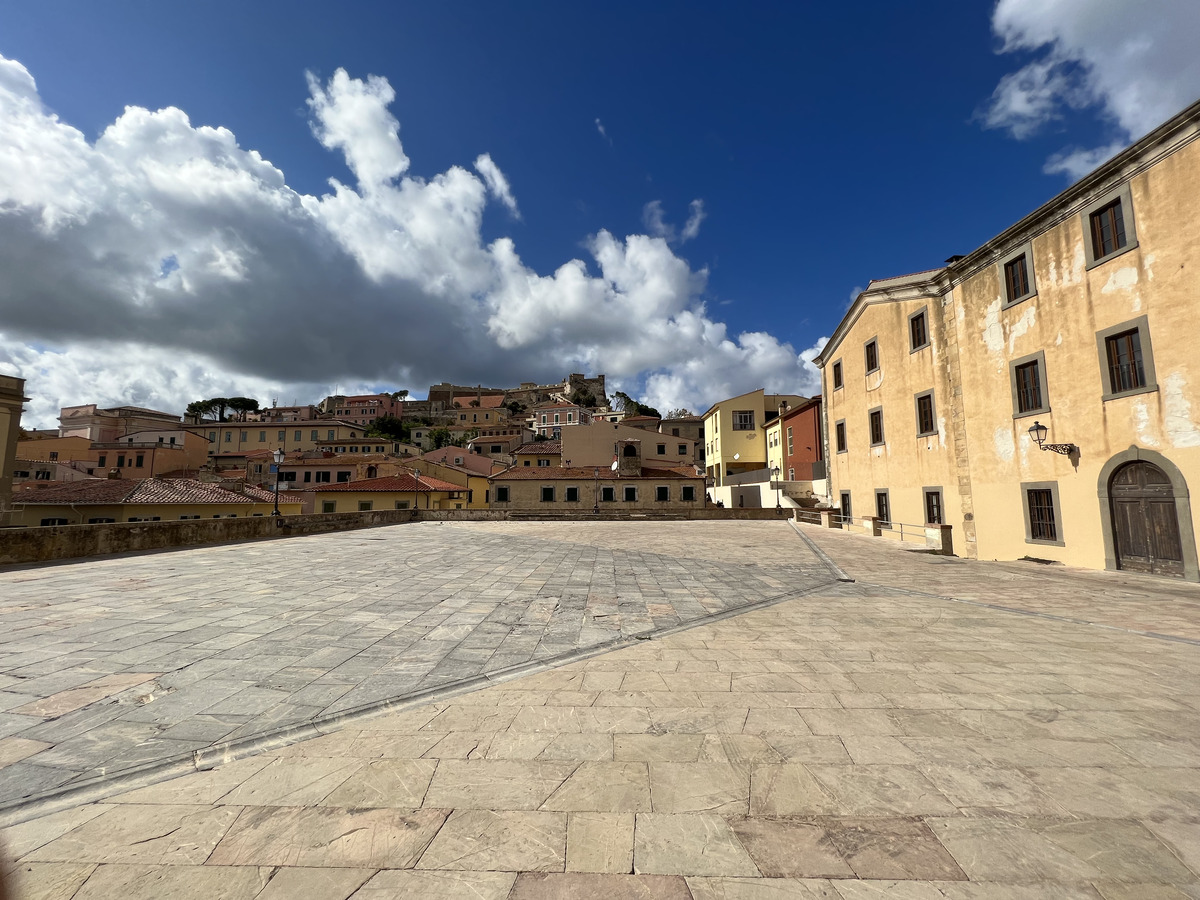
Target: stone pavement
859,741
116,664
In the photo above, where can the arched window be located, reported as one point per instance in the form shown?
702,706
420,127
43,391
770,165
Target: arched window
630,450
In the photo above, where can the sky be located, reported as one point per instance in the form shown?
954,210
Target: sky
280,201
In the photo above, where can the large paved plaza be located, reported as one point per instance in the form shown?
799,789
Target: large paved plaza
543,710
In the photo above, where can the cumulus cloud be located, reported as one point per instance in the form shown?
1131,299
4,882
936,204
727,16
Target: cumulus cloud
696,215
1133,62
163,262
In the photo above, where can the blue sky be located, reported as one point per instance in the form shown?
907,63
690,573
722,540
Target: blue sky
825,144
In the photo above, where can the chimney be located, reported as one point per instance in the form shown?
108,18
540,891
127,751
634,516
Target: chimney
783,408
114,474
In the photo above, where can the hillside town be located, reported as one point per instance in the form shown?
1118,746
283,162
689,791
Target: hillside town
1069,332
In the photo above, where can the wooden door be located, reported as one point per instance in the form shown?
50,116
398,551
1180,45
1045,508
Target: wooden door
1145,522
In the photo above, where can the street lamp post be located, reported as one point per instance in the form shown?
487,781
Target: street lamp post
775,473
278,462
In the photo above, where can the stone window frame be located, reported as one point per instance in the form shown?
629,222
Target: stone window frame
608,494
1052,487
882,432
841,442
838,380
1040,358
884,521
542,494
328,506
662,493
682,450
878,363
1128,218
661,449
567,498
1025,250
505,498
1141,325
846,504
923,311
625,498
366,505
941,495
684,492
932,395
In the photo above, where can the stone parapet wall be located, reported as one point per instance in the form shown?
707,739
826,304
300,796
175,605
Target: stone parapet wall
47,544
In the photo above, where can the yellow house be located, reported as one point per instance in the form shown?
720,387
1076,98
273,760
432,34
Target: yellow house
538,454
1041,395
236,439
99,501
473,485
406,491
735,434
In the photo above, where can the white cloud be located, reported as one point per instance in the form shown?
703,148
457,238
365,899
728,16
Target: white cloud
696,215
1133,62
603,133
1078,161
497,183
655,222
164,262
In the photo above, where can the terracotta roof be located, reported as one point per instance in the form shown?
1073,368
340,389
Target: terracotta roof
494,401
404,482
539,448
147,490
588,473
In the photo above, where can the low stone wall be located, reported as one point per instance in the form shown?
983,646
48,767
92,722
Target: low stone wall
46,544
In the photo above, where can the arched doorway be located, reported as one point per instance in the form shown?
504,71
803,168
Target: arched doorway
1145,520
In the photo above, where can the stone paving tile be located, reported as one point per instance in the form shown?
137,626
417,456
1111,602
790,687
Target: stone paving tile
913,748
580,886
260,652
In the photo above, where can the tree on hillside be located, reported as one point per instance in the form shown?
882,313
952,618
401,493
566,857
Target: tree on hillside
680,413
440,437
214,406
631,407
242,405
583,397
390,427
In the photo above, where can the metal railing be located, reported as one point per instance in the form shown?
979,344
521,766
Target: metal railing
896,528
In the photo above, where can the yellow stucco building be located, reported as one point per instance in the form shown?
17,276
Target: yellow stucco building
735,433
1041,395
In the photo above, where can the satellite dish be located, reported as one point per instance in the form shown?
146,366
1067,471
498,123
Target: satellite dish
737,456
614,465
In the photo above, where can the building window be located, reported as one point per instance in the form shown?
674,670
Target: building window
102,460
926,421
608,495
789,439
1016,279
572,495
298,436
687,493
103,520
548,494
1041,513
570,417
544,463
1027,378
674,432
496,448
321,477
328,506
933,506
839,431
502,494
743,420
847,512
837,375
401,504
365,505
55,521
120,460
682,449
314,435
243,436
1126,360
281,435
330,434
1108,226
308,476
139,460
918,331
871,353
875,419
344,477
662,449
662,493
883,510
527,462
228,436
556,418
630,494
